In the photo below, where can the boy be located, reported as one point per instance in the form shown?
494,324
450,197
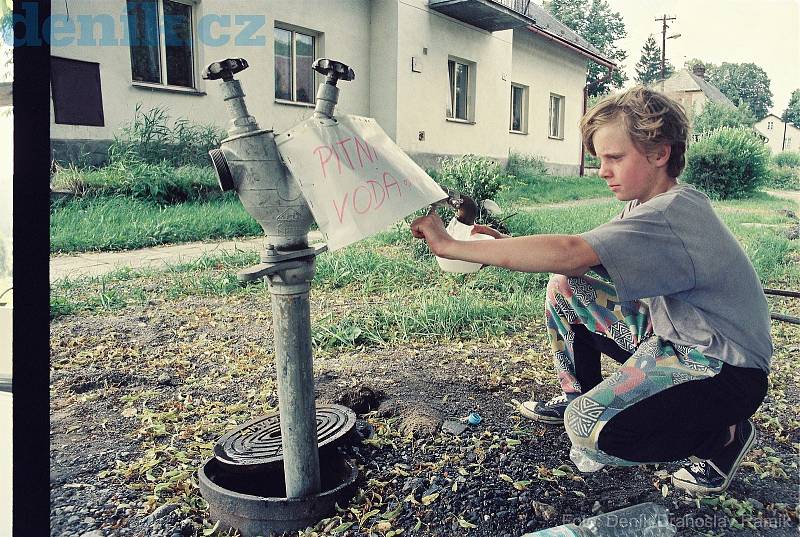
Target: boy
685,314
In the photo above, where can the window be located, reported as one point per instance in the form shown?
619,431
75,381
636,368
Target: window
519,109
769,125
556,116
462,90
77,96
168,61
294,58
788,144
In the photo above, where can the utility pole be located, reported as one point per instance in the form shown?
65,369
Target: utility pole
664,27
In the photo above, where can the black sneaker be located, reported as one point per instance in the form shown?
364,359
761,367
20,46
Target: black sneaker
714,475
549,412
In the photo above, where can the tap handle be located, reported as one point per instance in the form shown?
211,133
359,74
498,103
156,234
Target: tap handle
225,69
334,70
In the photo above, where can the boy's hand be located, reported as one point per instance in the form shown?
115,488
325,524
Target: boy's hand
431,228
486,230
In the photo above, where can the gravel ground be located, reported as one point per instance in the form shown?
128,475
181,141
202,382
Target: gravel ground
139,396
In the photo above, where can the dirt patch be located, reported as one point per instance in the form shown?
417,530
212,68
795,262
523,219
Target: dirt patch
125,443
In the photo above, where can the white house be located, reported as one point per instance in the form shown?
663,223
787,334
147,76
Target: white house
442,77
779,136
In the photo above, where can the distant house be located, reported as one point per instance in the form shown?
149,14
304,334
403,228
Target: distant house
442,77
779,136
692,90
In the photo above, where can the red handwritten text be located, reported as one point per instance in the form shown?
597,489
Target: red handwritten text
370,195
345,151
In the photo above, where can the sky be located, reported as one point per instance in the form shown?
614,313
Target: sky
763,32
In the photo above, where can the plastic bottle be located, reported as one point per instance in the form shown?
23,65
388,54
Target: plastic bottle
582,462
461,232
641,520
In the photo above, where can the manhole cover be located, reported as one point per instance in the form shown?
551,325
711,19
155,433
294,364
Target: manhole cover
257,443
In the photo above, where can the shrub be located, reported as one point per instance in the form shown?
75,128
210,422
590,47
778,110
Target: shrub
590,160
150,138
715,116
477,177
520,164
728,163
784,178
787,158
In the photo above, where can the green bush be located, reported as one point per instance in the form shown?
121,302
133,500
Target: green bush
790,159
784,178
159,183
477,177
521,164
716,115
728,163
152,138
590,160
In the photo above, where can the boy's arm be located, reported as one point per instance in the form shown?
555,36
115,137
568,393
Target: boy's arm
561,254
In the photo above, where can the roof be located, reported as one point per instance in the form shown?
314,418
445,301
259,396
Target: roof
685,80
544,22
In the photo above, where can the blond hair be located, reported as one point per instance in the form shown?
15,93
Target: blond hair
651,119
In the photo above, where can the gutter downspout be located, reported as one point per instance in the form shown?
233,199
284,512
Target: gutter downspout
585,102
583,113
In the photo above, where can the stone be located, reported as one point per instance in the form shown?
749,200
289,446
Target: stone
163,511
93,533
454,427
544,510
164,379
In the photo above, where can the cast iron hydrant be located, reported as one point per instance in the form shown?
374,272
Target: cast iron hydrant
248,162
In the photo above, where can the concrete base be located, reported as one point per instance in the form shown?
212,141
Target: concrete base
255,504
80,152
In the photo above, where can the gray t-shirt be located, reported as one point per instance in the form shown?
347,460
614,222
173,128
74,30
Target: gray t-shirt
674,253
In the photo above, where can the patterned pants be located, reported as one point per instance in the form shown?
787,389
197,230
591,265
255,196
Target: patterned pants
655,364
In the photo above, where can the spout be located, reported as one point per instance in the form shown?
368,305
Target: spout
232,93
466,211
328,93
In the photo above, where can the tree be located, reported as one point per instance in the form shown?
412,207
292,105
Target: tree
594,21
648,70
792,112
710,67
716,115
743,83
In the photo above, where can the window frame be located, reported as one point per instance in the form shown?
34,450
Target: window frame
524,109
560,126
769,125
162,52
316,36
470,101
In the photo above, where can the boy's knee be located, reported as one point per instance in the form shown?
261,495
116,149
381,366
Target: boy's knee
581,418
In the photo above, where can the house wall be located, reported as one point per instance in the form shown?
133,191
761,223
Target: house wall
345,28
377,38
681,87
775,135
383,64
546,68
692,101
423,97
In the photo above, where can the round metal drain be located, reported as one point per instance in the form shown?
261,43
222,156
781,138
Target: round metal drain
257,443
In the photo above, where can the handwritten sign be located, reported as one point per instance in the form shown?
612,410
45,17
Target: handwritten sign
356,180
